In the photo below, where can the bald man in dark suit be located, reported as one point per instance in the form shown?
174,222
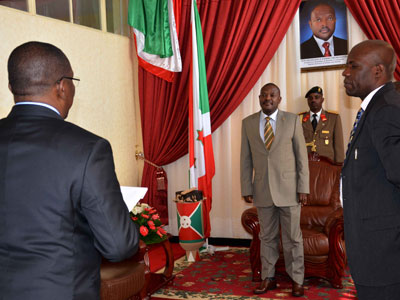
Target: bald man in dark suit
371,173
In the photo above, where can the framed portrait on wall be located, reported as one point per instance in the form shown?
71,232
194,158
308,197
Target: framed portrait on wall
323,34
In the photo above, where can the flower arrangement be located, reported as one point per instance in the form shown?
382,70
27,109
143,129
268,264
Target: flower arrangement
150,226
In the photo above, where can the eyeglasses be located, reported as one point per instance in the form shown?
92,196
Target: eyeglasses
77,80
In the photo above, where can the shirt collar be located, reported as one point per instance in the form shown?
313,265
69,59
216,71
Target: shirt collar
272,116
368,99
318,114
320,41
39,104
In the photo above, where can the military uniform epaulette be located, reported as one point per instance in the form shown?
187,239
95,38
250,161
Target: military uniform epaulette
332,112
302,113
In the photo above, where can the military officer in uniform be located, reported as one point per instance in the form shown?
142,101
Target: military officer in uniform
322,129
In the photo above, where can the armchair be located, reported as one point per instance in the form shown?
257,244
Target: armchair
321,224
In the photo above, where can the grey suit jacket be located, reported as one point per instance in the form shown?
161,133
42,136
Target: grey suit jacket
281,172
371,193
61,208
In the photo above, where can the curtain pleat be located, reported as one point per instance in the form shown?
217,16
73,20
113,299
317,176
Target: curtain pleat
379,20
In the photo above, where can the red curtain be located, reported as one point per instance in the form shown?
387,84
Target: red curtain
240,38
379,20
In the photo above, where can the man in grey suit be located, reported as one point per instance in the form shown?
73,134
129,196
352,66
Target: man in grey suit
61,206
274,150
371,173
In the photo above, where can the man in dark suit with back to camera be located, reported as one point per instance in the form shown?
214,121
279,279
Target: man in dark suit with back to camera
323,43
60,201
371,173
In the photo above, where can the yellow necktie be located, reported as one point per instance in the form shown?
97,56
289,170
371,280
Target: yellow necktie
268,133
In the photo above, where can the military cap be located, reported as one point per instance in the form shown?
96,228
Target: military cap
315,89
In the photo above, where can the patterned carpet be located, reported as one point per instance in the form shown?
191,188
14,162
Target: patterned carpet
227,275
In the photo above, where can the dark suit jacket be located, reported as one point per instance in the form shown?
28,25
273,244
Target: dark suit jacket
60,208
371,193
310,49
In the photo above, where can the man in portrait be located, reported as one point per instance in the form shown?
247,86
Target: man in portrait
323,43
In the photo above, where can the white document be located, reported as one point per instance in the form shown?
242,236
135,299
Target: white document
132,195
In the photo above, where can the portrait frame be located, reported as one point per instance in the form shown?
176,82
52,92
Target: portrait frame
311,56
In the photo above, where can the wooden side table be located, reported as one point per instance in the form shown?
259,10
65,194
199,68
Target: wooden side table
155,281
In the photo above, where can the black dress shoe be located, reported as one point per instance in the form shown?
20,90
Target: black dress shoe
265,285
297,289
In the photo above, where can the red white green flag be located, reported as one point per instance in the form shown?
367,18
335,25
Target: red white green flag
201,156
156,28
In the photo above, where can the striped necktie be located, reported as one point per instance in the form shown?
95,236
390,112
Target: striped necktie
268,133
358,117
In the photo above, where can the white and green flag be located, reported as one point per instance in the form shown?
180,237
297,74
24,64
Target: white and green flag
201,156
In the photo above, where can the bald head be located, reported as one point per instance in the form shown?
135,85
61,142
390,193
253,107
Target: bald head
378,52
34,67
370,64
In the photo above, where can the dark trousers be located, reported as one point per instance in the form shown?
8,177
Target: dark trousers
388,292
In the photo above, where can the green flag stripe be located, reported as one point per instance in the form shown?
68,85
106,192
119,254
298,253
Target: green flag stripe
150,17
203,97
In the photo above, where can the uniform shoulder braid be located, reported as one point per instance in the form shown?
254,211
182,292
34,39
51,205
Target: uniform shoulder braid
332,112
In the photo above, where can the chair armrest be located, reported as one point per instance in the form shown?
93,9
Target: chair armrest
250,221
332,219
142,250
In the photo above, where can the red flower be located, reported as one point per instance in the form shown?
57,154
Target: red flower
153,211
159,233
162,230
151,225
145,216
144,231
148,208
134,218
155,217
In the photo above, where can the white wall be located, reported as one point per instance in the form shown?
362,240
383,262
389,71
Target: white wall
106,101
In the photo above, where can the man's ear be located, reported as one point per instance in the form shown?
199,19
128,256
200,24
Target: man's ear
61,89
379,70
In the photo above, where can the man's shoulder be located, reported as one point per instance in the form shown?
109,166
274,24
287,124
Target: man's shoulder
308,42
340,46
288,115
331,112
339,40
76,132
252,116
304,116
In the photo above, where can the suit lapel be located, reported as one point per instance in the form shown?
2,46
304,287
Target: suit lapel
364,116
255,123
280,119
